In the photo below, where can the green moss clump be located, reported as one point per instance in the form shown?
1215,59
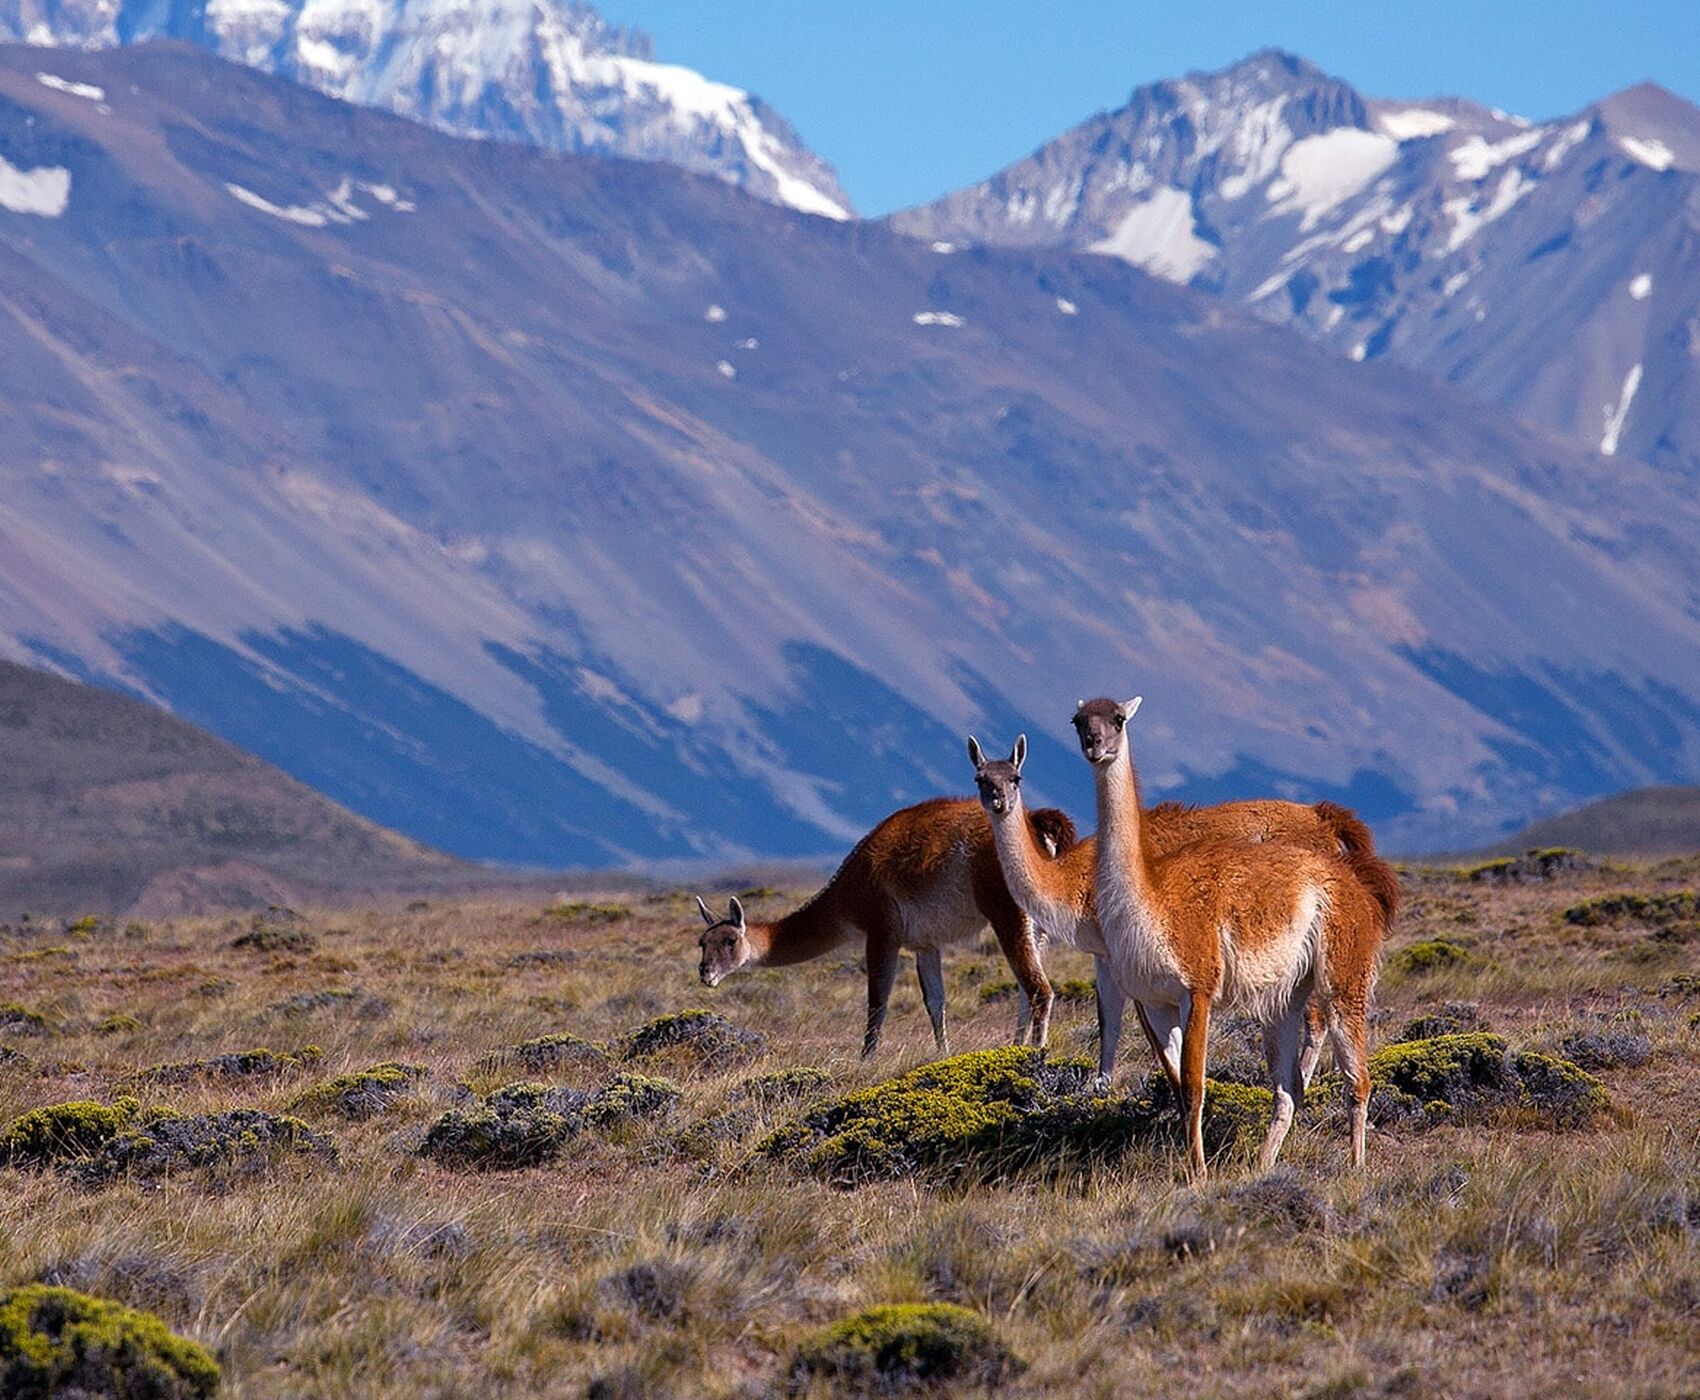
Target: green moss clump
903,1346
547,1052
1000,989
1454,1018
118,1023
579,912
631,1098
522,1125
1558,1089
63,1132
57,1341
1660,910
17,1019
162,1142
363,1094
992,1114
1076,989
1454,1077
710,1040
1430,955
782,1086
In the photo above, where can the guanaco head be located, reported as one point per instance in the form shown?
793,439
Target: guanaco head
724,943
999,780
1101,727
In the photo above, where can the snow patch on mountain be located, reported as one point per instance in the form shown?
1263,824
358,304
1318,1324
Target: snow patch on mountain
1415,123
87,91
1322,172
938,318
1649,150
44,191
1477,158
1160,235
1572,136
1616,417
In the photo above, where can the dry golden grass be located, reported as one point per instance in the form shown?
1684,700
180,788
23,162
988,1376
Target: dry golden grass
1488,1261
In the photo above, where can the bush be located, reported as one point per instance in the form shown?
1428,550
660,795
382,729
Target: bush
522,1125
278,930
1452,1077
782,1086
579,912
991,1114
1454,1018
1527,868
63,1131
710,1040
902,1346
1430,955
1659,910
259,1062
56,1341
364,1094
630,1098
16,1019
118,1023
162,1142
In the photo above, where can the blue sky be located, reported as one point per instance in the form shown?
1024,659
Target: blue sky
910,98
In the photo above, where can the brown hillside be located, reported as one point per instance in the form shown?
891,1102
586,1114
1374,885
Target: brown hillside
1653,821
108,805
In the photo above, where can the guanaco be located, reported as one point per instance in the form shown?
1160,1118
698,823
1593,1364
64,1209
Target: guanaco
925,877
1255,926
1058,892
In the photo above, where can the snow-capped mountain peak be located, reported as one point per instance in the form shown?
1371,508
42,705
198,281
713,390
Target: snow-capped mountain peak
549,72
1547,266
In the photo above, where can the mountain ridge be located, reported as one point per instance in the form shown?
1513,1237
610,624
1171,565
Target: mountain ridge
674,525
1544,267
551,73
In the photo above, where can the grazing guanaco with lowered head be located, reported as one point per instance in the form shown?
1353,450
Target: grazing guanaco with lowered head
1258,927
925,877
1058,892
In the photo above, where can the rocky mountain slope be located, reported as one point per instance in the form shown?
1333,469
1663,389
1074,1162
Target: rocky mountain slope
108,805
570,511
1550,268
552,74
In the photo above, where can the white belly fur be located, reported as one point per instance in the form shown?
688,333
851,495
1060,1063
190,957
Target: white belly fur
1260,981
939,915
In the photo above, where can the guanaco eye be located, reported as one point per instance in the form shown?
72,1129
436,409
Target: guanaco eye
1121,723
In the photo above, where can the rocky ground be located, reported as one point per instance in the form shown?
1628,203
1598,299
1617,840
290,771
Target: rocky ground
472,1149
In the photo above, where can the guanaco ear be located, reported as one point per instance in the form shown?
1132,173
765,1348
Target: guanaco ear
1131,707
707,917
1018,755
975,756
1080,704
737,912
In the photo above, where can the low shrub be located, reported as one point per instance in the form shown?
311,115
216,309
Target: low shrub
1616,909
1430,955
257,1063
903,1346
1453,1018
1000,989
1530,867
547,1052
710,1040
522,1125
631,1098
161,1142
363,1094
118,1023
278,930
17,1019
991,1114
783,1086
56,1341
1460,1077
580,912
64,1131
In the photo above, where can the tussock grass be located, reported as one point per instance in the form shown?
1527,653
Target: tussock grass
655,1251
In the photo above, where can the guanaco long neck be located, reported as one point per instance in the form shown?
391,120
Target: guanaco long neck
1050,891
1124,860
811,931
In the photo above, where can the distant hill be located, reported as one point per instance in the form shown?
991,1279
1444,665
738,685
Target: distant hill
108,805
1654,821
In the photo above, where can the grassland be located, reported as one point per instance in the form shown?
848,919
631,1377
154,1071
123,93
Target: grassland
656,1253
